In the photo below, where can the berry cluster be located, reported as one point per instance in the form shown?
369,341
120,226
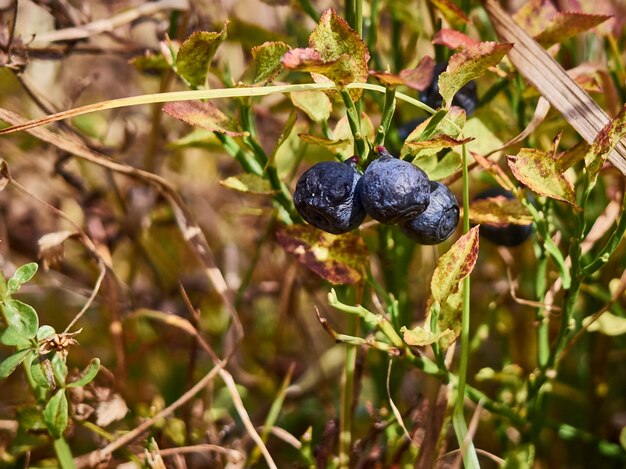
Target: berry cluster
334,197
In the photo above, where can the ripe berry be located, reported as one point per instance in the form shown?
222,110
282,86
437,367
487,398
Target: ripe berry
466,97
438,221
393,190
326,197
507,234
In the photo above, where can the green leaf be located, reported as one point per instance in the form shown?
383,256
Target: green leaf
45,332
540,172
447,166
420,337
522,456
88,374
434,145
195,55
12,362
284,135
340,259
205,115
605,141
267,59
14,337
41,371
607,324
55,414
622,438
22,318
335,50
315,104
21,276
452,13
59,367
485,141
468,65
249,183
499,211
342,146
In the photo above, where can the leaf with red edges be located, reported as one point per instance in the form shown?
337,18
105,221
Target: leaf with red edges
568,24
453,39
418,78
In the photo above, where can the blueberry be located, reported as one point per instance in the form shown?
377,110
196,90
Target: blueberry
326,197
466,97
438,221
507,234
393,190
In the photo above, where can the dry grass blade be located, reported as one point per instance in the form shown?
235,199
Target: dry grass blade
534,63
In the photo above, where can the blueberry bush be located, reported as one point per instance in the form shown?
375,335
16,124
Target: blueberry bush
306,233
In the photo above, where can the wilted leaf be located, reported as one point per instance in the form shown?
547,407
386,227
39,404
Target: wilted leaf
605,141
5,176
196,53
338,259
51,250
538,170
250,183
22,275
607,324
454,266
434,144
452,13
453,39
499,210
205,115
88,375
315,104
111,410
468,65
335,40
419,337
21,317
568,24
55,414
418,78
267,59
12,362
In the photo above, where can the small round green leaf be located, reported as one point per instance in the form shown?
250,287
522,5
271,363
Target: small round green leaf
21,276
22,317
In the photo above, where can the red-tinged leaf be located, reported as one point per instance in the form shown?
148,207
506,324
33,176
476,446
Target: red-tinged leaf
535,15
203,114
568,24
418,78
499,210
267,58
454,266
468,65
444,122
335,40
338,259
570,157
539,171
298,59
453,39
452,13
195,55
605,141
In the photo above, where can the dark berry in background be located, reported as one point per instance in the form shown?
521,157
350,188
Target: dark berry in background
438,221
326,197
507,234
466,97
393,190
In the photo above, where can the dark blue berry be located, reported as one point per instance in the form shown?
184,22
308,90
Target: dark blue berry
326,197
438,221
466,97
507,234
393,190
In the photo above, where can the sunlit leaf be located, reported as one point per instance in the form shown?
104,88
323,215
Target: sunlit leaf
453,39
485,141
607,324
205,115
418,78
284,136
338,259
420,337
538,170
534,16
434,144
315,104
340,146
451,12
605,141
22,275
195,55
499,210
249,183
468,65
267,59
88,374
51,247
21,317
55,414
568,24
45,332
444,168
12,362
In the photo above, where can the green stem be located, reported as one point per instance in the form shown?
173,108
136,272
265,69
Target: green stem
310,10
347,392
543,340
388,111
354,120
64,454
245,159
